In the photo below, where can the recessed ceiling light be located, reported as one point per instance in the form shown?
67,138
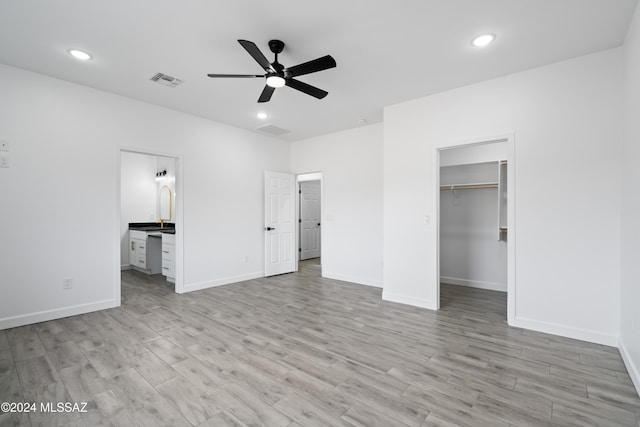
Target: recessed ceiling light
262,115
80,54
483,40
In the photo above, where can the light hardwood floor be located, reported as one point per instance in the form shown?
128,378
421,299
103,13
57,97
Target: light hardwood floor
298,350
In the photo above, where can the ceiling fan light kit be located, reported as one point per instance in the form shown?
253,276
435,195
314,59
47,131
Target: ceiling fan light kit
277,75
276,81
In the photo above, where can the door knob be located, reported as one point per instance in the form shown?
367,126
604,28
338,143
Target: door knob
318,224
269,228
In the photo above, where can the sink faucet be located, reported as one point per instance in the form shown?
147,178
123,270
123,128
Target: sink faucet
161,223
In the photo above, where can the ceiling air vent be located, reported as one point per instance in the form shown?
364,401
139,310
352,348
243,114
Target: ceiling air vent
165,80
273,130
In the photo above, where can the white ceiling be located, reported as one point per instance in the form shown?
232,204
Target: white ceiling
387,51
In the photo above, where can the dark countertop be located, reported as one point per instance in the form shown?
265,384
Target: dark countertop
169,228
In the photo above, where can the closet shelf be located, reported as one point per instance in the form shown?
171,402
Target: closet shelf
469,186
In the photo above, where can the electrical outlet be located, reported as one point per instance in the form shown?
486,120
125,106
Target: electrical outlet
67,283
4,145
4,160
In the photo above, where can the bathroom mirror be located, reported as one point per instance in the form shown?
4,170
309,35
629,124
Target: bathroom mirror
166,202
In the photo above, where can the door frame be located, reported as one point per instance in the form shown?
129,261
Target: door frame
509,138
316,175
301,221
178,209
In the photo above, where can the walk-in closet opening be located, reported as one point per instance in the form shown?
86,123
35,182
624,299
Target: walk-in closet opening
474,239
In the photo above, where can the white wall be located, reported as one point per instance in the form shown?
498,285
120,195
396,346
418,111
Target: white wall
567,123
59,211
630,293
351,166
138,195
478,153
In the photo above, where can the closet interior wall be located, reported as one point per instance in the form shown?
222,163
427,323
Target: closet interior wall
473,234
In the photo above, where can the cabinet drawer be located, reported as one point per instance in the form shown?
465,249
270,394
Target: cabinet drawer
168,270
137,234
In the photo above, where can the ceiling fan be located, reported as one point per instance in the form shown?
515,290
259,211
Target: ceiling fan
277,75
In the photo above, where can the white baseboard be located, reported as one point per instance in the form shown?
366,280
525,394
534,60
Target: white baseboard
124,267
223,281
566,331
634,373
492,286
352,279
404,299
58,313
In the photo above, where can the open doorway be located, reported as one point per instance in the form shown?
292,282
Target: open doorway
309,209
476,234
148,211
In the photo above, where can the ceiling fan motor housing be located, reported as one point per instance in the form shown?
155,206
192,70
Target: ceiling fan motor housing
276,46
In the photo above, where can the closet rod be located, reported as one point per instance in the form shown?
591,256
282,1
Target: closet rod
467,187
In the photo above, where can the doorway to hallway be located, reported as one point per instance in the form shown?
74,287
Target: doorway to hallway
309,216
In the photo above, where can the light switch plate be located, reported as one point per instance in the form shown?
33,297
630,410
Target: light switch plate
4,145
4,160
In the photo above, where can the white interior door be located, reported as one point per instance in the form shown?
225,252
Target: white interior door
309,219
279,223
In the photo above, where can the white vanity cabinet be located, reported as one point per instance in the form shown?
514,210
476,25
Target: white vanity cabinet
144,251
169,256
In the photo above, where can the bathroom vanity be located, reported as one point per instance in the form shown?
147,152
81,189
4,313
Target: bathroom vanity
149,252
144,252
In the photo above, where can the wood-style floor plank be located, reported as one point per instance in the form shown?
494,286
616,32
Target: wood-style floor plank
299,350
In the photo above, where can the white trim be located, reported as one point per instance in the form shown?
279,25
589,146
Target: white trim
352,279
511,227
492,286
223,281
509,138
634,373
57,313
117,257
313,176
566,331
125,267
409,300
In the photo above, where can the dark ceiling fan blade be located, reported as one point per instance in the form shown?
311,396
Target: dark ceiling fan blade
306,88
319,64
256,54
241,76
265,96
